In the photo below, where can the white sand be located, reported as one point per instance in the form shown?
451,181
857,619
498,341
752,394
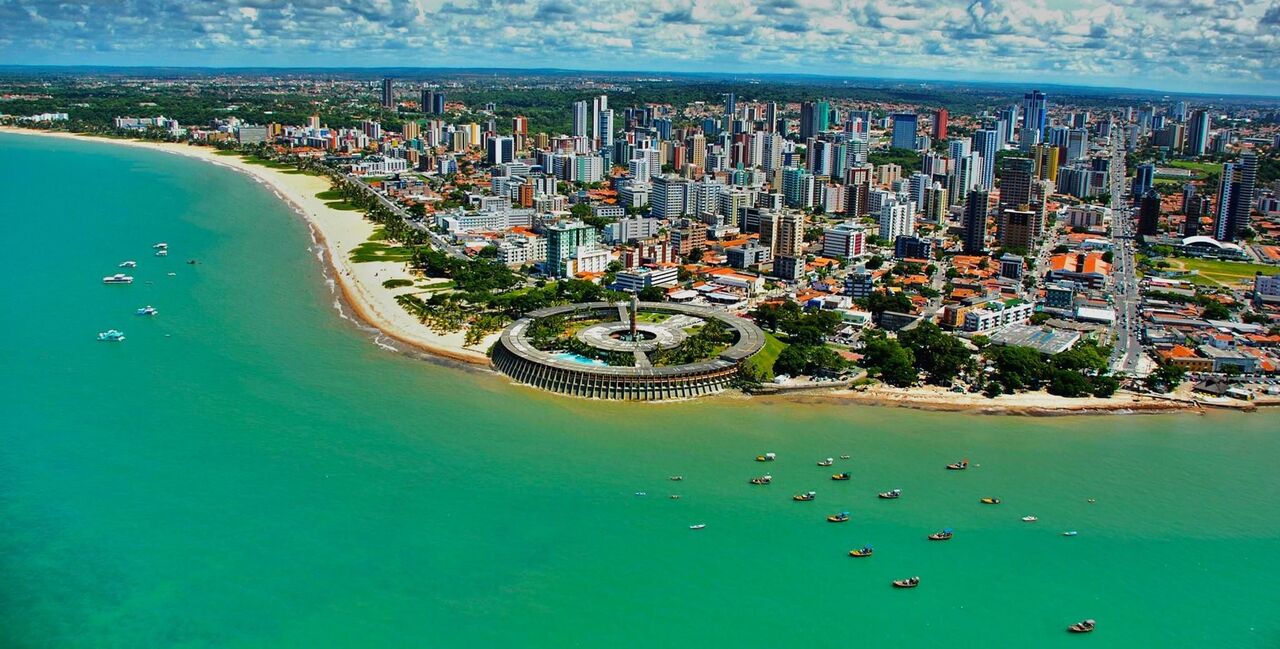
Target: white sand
339,231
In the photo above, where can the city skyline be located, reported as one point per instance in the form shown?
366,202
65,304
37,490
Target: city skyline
1189,47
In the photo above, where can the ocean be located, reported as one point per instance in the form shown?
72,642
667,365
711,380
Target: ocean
250,469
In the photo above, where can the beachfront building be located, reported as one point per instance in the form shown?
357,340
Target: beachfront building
996,314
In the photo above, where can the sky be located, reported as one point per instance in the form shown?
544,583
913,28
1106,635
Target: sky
1208,46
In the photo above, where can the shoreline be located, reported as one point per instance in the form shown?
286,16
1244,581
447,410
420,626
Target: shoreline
358,288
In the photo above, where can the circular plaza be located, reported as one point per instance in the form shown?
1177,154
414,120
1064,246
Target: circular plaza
639,351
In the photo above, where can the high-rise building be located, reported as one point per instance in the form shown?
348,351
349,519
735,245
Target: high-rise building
425,101
940,124
388,94
1017,229
985,144
844,241
581,118
1235,196
1198,133
563,242
858,188
1034,115
1144,179
904,131
976,212
598,106
771,116
1149,214
797,187
668,197
730,110
814,118
437,103
896,219
790,239
1015,181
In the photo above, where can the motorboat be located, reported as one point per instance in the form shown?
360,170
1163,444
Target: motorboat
767,457
826,462
906,583
147,310
676,478
1083,626
698,526
1070,533
805,497
162,253
192,262
118,278
161,246
990,501
642,493
838,518
944,535
127,264
864,552
1029,519
841,476
844,457
958,466
891,494
764,479
111,336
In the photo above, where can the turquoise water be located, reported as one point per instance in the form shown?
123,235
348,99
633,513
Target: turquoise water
249,469
577,358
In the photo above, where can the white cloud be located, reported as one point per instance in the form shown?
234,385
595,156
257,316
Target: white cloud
1182,44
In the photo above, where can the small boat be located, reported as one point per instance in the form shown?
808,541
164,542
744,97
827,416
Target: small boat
764,479
826,462
990,501
864,552
844,457
1070,533
906,583
805,497
698,526
891,494
1083,626
1093,500
958,466
841,476
838,518
162,253
641,493
944,535
147,310
160,246
127,264
173,274
1029,519
676,478
767,457
192,262
111,336
118,278
675,496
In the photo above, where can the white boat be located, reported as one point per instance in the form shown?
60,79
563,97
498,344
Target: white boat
698,526
1070,533
128,264
147,310
118,278
160,246
111,336
1029,519
162,253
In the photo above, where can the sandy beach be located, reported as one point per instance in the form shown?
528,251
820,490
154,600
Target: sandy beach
339,232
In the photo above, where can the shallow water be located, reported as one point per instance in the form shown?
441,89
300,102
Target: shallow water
249,469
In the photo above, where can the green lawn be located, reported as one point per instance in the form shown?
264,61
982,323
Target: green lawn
342,205
765,358
651,318
1220,271
1202,169
330,195
377,251
438,286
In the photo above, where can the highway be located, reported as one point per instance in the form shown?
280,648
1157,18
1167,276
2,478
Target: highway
1127,329
438,242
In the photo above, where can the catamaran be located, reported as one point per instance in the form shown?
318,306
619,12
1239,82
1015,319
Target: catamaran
118,278
111,336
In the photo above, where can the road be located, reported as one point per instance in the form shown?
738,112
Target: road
1128,346
438,242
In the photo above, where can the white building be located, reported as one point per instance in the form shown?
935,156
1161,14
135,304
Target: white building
998,314
377,165
844,241
897,219
641,278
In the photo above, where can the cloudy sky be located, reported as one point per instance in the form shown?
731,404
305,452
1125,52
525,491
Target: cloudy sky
1191,45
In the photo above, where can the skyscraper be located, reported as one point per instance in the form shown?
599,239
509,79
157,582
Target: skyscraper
985,144
808,120
904,131
940,124
1149,214
771,116
425,101
1144,178
437,103
729,107
598,106
1235,196
975,222
388,94
1015,181
1198,133
1034,112
580,118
